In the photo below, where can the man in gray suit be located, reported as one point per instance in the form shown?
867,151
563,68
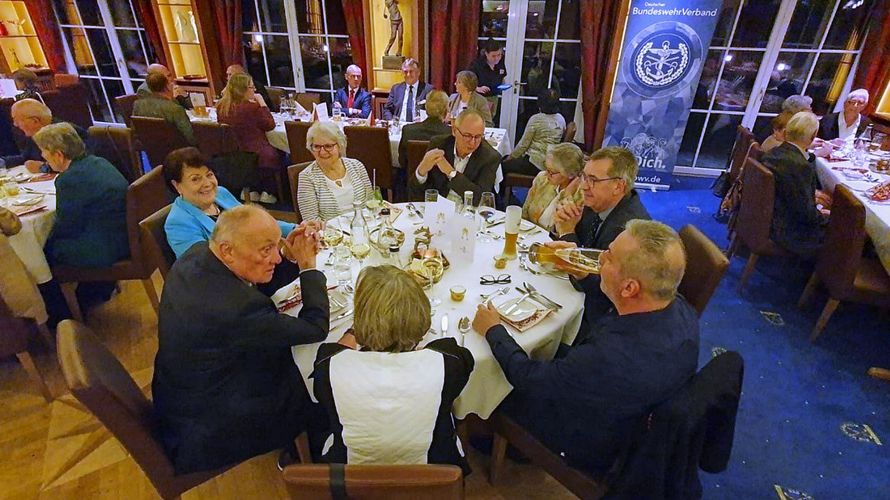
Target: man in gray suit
180,96
160,104
404,98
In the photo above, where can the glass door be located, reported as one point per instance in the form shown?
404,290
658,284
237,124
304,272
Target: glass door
106,45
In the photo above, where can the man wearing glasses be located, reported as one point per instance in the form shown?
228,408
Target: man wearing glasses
850,122
404,98
462,161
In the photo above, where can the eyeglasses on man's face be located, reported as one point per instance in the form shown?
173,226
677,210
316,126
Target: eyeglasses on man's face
470,137
592,179
327,147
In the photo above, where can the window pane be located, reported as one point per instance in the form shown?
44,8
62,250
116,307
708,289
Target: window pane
336,19
272,16
541,19
89,13
739,71
341,58
535,67
133,55
719,138
98,104
527,108
828,80
708,80
570,20
113,88
493,21
690,139
121,13
147,46
248,16
808,24
751,30
567,70
102,52
848,27
724,23
315,62
281,73
67,12
309,17
83,59
787,79
253,54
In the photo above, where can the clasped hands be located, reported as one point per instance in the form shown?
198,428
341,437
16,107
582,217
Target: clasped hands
434,158
302,244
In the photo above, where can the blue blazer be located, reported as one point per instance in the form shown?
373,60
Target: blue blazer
393,106
362,100
187,225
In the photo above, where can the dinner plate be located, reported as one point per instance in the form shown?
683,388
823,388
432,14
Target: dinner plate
523,310
26,201
859,186
22,177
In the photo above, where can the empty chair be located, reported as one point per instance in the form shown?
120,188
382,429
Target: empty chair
124,106
70,104
214,138
370,145
373,482
116,144
841,267
293,175
307,99
154,238
705,266
378,104
16,332
516,180
275,95
98,380
157,137
296,140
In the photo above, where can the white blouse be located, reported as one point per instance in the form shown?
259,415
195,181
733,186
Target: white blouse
342,191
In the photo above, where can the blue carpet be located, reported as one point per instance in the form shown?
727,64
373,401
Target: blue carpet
802,420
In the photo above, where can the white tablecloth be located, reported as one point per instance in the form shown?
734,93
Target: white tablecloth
487,386
28,243
877,216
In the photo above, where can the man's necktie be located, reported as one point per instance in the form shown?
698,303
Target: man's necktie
351,100
409,111
590,237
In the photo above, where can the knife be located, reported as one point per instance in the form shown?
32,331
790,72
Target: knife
539,296
445,325
516,304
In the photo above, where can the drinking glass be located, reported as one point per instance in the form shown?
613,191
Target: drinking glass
342,265
375,202
511,231
432,265
486,211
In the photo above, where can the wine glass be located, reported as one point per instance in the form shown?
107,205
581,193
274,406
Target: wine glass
375,202
433,266
332,235
486,210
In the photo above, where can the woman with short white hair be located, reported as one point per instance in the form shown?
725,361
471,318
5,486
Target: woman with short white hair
330,185
558,183
850,122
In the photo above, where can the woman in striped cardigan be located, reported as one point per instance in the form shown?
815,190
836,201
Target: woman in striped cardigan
331,183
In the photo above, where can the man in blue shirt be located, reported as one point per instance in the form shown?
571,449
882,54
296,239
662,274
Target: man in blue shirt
585,404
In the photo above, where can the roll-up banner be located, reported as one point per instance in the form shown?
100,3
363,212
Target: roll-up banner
665,44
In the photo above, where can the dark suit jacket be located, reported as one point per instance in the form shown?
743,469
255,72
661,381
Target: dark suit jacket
30,151
478,177
393,106
797,226
225,384
587,403
362,101
828,128
595,301
423,131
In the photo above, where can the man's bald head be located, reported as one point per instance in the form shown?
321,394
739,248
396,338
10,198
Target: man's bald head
246,240
234,69
159,68
468,131
30,115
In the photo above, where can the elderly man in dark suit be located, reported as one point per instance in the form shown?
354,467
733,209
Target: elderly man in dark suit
433,126
798,225
225,384
354,100
586,403
610,200
848,123
462,161
406,96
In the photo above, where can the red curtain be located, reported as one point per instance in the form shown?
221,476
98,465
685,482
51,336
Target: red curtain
44,21
229,30
150,23
599,21
454,35
355,25
873,73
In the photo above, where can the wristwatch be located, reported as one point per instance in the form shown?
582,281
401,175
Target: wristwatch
452,174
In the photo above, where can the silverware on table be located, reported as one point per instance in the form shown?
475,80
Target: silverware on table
500,291
444,325
516,304
538,295
343,315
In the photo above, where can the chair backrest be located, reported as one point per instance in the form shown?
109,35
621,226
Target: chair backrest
756,210
71,104
65,79
307,99
16,331
145,196
415,152
296,140
372,482
841,251
154,238
379,103
569,135
744,139
8,144
275,95
370,145
116,144
516,180
705,266
158,137
124,105
293,175
214,138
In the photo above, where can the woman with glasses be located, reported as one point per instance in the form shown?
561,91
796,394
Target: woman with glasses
543,130
248,114
331,183
466,97
556,185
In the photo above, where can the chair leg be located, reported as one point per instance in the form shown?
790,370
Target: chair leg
150,291
69,291
808,291
34,374
303,453
749,268
498,452
279,184
823,318
733,246
46,336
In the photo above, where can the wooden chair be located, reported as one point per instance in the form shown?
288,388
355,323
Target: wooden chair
293,175
377,107
144,197
415,150
374,482
15,334
755,217
65,79
275,95
370,145
117,145
879,373
744,139
738,187
99,381
515,180
296,140
70,103
124,106
8,140
214,138
157,137
705,267
154,237
846,274
571,130
307,99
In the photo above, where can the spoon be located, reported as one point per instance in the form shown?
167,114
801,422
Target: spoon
463,326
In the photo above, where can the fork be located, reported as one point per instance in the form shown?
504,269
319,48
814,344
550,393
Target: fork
537,294
499,291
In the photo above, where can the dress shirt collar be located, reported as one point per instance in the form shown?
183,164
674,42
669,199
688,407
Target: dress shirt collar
460,163
845,132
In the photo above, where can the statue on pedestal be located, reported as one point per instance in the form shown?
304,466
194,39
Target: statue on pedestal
395,26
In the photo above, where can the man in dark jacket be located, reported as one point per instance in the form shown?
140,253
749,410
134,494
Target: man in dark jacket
585,404
433,126
609,202
354,100
29,116
407,97
225,385
849,122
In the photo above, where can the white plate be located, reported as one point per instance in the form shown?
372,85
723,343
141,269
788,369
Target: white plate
22,177
25,201
336,297
524,310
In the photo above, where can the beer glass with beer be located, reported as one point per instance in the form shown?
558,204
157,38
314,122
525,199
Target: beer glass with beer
511,231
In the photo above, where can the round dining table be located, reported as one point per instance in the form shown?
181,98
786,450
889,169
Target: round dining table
487,385
37,223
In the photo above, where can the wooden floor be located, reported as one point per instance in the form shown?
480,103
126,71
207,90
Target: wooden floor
57,451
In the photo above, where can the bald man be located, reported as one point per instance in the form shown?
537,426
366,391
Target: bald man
260,89
354,100
225,384
29,116
585,404
180,96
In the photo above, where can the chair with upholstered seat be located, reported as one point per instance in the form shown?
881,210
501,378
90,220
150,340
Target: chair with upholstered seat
275,95
378,104
15,334
516,180
415,151
157,137
744,139
373,482
99,381
144,197
70,103
569,134
296,140
154,237
307,99
841,268
293,175
117,145
124,106
371,146
214,138
705,266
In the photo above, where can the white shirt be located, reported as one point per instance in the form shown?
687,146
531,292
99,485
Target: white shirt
343,192
845,132
405,101
460,164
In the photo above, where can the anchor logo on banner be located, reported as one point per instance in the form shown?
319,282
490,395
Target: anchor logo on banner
663,56
661,66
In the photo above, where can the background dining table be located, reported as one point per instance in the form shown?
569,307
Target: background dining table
487,385
36,226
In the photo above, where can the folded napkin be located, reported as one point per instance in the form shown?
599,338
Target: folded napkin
26,209
521,326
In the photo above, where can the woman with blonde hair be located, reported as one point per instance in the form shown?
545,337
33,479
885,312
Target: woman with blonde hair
248,114
388,400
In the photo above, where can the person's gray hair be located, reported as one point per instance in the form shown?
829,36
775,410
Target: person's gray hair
801,127
797,103
32,108
624,164
437,104
566,158
858,93
410,62
468,79
60,138
230,222
655,263
467,113
329,130
353,68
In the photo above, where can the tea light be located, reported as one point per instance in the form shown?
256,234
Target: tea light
500,262
458,292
